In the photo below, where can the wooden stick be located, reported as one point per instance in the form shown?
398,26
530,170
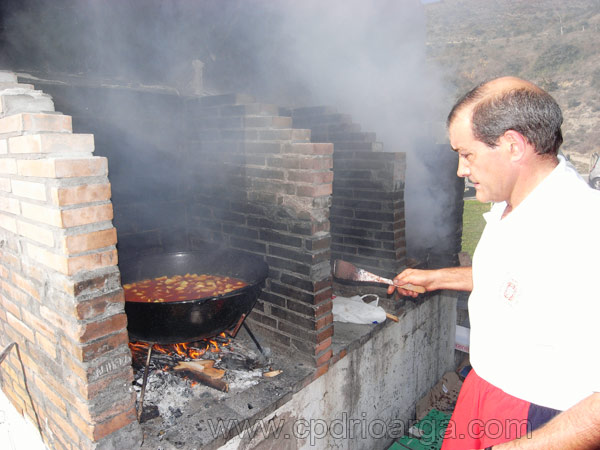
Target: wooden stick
391,317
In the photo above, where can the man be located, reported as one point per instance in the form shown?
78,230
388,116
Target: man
535,302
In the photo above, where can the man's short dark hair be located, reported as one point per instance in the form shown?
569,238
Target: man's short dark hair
531,112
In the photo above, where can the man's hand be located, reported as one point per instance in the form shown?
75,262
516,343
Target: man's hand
455,278
413,276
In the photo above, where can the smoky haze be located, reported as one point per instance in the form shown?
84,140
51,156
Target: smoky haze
365,58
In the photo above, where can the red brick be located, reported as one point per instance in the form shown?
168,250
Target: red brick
324,357
26,285
115,423
94,330
36,233
86,215
81,353
309,148
323,295
20,327
323,308
40,326
28,189
323,346
92,261
9,371
100,347
79,243
10,205
33,123
52,143
321,370
9,259
300,134
318,227
15,294
16,401
324,321
49,259
72,195
314,191
8,166
98,306
63,168
88,285
284,162
82,425
316,163
72,265
324,334
8,223
58,439
35,272
89,390
51,394
64,425
56,319
310,176
46,345
42,214
11,306
5,185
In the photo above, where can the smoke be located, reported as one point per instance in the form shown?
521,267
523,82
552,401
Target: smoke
365,58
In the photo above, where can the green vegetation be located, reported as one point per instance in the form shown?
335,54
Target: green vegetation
473,224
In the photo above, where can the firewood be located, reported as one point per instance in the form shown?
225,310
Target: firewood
203,366
200,377
272,373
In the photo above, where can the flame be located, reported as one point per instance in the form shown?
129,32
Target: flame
186,351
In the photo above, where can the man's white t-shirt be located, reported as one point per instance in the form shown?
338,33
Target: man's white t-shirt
535,305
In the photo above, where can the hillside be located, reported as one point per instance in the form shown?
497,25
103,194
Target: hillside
553,43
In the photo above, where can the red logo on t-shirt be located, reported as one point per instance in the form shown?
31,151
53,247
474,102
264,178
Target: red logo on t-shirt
510,290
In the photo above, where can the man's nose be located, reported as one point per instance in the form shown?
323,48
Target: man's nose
463,170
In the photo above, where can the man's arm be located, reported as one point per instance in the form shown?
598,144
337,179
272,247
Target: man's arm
454,278
577,428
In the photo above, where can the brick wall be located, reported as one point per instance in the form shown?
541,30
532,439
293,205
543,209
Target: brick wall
60,294
262,187
367,211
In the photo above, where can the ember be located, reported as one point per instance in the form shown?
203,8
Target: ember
170,354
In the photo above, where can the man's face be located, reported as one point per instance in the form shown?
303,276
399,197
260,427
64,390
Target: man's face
488,168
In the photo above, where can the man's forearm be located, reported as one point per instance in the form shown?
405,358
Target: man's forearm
453,278
578,428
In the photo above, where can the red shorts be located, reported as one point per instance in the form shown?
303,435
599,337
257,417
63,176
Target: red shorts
486,416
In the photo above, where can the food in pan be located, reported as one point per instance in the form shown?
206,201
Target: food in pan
180,288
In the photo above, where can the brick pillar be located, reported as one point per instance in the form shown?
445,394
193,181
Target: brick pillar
262,187
60,294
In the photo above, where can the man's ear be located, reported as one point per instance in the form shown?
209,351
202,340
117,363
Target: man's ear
516,144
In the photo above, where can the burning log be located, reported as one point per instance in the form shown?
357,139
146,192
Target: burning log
203,372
